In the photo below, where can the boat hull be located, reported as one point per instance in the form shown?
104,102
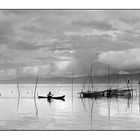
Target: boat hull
118,93
112,93
50,97
92,94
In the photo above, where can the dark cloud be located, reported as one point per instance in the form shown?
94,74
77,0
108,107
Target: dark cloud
60,40
102,25
23,45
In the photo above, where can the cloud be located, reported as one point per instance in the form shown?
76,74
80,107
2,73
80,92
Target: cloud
63,65
55,68
54,42
126,60
121,25
111,34
36,70
101,25
8,73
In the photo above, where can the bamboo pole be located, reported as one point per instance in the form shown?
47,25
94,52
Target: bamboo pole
18,95
139,85
72,90
35,97
18,89
35,87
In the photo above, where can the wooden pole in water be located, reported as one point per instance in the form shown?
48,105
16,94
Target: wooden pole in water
18,89
72,85
35,87
35,96
139,85
72,90
18,95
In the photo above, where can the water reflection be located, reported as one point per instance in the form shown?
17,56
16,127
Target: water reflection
91,112
117,100
36,109
129,104
90,106
83,103
109,109
88,114
109,104
49,101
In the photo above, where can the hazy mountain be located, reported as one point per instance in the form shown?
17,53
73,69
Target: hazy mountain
77,80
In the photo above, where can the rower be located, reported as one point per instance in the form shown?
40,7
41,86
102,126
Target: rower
49,94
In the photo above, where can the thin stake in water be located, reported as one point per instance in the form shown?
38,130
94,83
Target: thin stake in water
139,93
35,97
72,90
18,95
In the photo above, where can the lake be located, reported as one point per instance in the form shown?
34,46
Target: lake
72,114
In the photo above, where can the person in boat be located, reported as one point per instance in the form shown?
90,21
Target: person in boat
49,94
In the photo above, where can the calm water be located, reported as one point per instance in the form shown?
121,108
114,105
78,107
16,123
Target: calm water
76,114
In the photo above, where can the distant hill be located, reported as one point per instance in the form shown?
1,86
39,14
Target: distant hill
77,80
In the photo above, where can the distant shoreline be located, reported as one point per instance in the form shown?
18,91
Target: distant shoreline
133,78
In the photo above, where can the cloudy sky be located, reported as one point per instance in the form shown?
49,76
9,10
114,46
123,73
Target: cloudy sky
57,42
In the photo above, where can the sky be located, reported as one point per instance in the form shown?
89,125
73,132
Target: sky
52,43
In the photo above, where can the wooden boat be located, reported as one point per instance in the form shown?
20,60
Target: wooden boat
89,92
117,92
92,94
51,97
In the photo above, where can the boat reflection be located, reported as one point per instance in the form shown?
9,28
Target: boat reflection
110,110
51,100
89,108
129,104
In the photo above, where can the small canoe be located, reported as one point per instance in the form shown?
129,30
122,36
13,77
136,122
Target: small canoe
51,97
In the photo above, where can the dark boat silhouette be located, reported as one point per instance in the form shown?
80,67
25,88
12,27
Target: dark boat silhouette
118,92
88,90
52,97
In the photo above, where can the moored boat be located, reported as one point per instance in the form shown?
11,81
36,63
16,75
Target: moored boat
118,92
92,94
89,91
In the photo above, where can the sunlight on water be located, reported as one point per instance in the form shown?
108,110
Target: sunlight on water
82,114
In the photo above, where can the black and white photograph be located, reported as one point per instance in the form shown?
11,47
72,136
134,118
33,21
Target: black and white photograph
70,69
